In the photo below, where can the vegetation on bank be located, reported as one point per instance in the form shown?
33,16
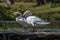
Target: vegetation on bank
44,12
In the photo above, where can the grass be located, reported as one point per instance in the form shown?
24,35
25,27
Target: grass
45,9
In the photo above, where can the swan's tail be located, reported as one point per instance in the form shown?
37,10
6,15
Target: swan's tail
43,23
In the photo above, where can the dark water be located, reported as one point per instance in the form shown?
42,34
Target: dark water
54,26
14,27
10,34
29,30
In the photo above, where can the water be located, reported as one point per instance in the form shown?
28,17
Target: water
13,26
28,30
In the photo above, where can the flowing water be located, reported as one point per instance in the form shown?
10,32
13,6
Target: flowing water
14,26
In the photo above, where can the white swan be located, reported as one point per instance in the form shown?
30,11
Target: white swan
33,20
20,19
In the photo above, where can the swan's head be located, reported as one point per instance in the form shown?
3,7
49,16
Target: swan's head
27,13
15,13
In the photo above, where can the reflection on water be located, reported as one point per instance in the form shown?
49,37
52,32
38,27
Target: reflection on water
13,26
29,30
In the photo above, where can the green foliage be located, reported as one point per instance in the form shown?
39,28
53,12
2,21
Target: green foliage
45,11
57,16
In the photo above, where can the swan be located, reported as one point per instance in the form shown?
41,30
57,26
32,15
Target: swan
21,20
33,20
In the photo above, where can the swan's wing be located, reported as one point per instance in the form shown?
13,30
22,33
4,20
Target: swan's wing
35,20
19,18
40,21
24,22
32,19
21,21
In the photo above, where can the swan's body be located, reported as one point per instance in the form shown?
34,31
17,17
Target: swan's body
33,20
